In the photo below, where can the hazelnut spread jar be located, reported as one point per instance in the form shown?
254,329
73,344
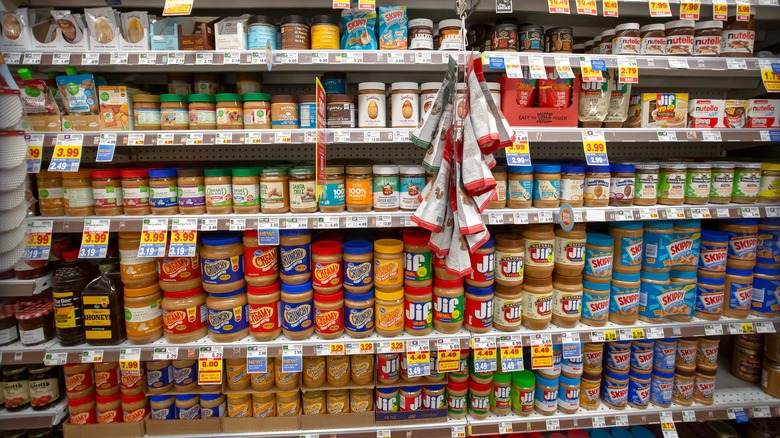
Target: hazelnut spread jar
626,40
652,39
707,38
738,37
680,37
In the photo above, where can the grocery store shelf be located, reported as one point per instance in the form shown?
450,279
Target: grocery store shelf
506,216
31,419
24,288
14,354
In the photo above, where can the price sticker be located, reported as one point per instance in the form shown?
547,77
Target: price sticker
59,59
67,153
748,328
357,222
55,359
713,329
743,10
485,354
292,358
667,136
401,136
587,7
38,240
210,365
174,58
589,73
135,139
319,58
628,72
689,416
541,351
750,212
94,240
504,6
418,358
184,237
512,65
237,224
558,6
282,137
384,221
351,58
231,58
668,428
511,351
387,347
625,335
610,335
15,58
165,353
660,8
448,355
165,139
395,58
648,213
209,224
296,223
595,148
675,213
32,58
610,8
638,333
772,211
154,237
119,58
765,327
571,346
770,75
147,58
598,422
552,424
678,63
330,349
621,420
106,147
761,412
736,64
495,218
520,218
253,138
257,359
689,9
34,152
92,356
458,432
536,67
720,10
367,4
130,361
224,138
504,428
259,58
711,136
701,213
360,348
519,153
288,57
563,67
338,4
90,58
204,58
194,139
177,7
422,57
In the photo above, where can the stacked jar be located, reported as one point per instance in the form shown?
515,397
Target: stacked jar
222,276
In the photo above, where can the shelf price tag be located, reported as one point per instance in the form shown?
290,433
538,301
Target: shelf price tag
210,365
357,222
184,237
587,7
701,213
292,358
177,7
505,428
552,424
90,58
621,420
675,213
34,152
154,236
55,359
119,58
387,347
689,416
761,412
595,148
563,67
770,75
32,58
94,240
67,153
337,349
610,8
512,65
558,6
224,138
130,361
92,356
667,425
504,6
458,432
765,327
174,58
15,58
418,358
256,359
541,351
713,329
204,58
484,354
165,353
231,58
58,59
648,213
628,72
194,139
351,58
589,73
689,10
667,136
571,346
165,139
660,8
147,58
448,355
237,224
422,57
366,347
536,66
743,10
750,212
209,224
106,147
518,153
296,223
720,10
38,240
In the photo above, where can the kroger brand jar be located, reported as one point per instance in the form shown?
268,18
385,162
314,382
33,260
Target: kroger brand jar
222,263
191,191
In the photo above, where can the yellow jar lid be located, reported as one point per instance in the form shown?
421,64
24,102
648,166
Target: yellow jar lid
389,296
388,246
770,166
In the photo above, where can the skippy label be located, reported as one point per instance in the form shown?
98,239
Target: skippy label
709,301
684,249
598,263
683,390
592,360
663,355
641,359
707,355
638,392
658,301
712,258
295,259
742,245
615,394
689,299
740,295
619,360
446,309
766,294
624,300
595,307
686,354
631,255
768,247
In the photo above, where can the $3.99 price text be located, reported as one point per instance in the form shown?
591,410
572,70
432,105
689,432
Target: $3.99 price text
153,237
67,152
95,238
595,147
182,236
38,239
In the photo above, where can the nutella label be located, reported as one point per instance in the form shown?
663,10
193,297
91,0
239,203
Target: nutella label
653,46
763,113
626,45
738,41
706,45
706,113
679,45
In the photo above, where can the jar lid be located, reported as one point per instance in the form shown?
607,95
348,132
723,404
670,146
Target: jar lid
684,275
411,169
371,86
478,386
455,386
216,172
191,172
615,375
589,43
479,291
172,98
411,388
749,222
626,225
448,284
35,311
595,286
146,98
714,281
748,165
220,239
502,377
430,86
572,168
652,27
74,402
559,30
544,381
433,388
700,166
514,240
162,398
326,247
81,174
385,169
688,223
417,22
620,276
387,391
295,19
404,86
547,168
324,19
228,97
646,166
490,243
264,290
133,173
142,291
340,98
524,378
232,293
766,270
597,169
132,398
268,171
565,380
210,397
599,239
307,98
329,298
358,247
260,19
291,233
388,246
302,170
662,374
659,224
185,397
722,164
283,98
162,173
607,33
359,297
334,169
257,97
712,24
656,276
449,23
418,291
739,272
296,288
622,168
416,236
107,173
627,26
245,171
679,23
389,296
519,169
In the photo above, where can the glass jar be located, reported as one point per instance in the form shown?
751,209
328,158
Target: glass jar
405,104
257,111
246,191
671,183
230,111
191,191
218,191
621,185
202,112
769,192
146,112
303,188
340,111
163,192
36,323
284,112
520,183
597,182
174,112
77,193
106,192
135,192
44,386
50,193
646,184
333,198
359,192
274,190
697,183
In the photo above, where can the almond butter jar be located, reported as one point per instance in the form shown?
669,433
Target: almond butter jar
174,112
405,104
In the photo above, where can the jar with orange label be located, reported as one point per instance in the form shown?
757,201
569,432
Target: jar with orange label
50,193
264,314
130,384
362,369
261,267
389,312
326,267
135,271
288,403
239,405
264,381
358,184
314,374
570,250
143,314
539,251
566,300
179,273
388,264
264,405
236,374
184,316
284,381
537,302
78,193
329,314
314,403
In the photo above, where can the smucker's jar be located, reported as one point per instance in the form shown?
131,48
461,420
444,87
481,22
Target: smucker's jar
722,182
621,185
646,184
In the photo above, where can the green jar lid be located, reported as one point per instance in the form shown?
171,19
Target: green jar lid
524,379
302,170
229,97
277,170
201,98
254,97
216,172
502,377
172,98
245,171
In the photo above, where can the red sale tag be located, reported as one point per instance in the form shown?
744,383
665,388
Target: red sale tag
689,10
610,8
558,6
586,7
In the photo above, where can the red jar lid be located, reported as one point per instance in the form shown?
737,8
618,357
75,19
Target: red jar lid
184,294
133,398
457,386
108,173
474,385
448,284
417,237
71,254
83,400
134,173
103,399
35,311
418,291
326,247
329,298
264,290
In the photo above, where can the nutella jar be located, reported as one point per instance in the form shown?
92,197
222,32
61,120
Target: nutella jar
605,44
679,37
626,40
738,37
707,38
652,39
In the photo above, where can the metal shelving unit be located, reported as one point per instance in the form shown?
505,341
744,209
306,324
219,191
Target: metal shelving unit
31,419
24,288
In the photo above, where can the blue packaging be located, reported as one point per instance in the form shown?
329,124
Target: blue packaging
595,301
392,28
630,255
546,400
661,388
768,246
684,247
656,245
547,190
638,389
295,259
624,301
156,379
641,357
519,190
664,354
191,413
358,274
215,412
656,301
598,262
168,413
765,291
709,296
334,83
223,270
568,399
297,317
358,30
184,376
617,356
712,257
739,293
307,115
685,281
614,388
224,322
358,320
261,34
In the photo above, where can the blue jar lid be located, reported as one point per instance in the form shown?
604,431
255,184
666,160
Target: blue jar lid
297,288
597,169
618,432
293,232
688,223
557,347
621,168
547,168
520,169
386,391
204,397
660,224
358,247
616,375
627,225
544,381
479,291
162,173
775,222
685,275
220,239
411,388
742,222
570,381
491,242
713,281
619,345
766,270
232,293
658,276
594,286
599,239
667,340
184,397
661,374
642,432
434,387
740,272
572,168
619,276
714,236
359,297
639,374
160,398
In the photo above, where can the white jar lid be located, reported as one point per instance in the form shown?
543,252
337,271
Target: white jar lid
608,32
652,27
403,86
449,23
420,22
385,169
679,23
414,169
430,86
371,86
712,24
590,42
627,26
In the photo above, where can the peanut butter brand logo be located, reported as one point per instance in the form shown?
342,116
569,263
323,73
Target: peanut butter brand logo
666,103
680,248
137,415
358,406
711,302
215,268
264,260
742,245
102,378
80,418
182,374
393,16
260,315
339,371
173,319
616,394
326,273
262,410
189,413
161,414
598,307
628,301
510,265
541,253
385,271
154,378
601,264
634,251
743,295
591,394
686,354
672,300
173,267
359,319
390,318
107,417
130,381
295,315
218,319
74,382
642,360
356,24
358,272
325,319
293,259
619,361
713,258
686,389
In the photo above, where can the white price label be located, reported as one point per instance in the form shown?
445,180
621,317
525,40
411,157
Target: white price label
458,432
55,359
598,422
553,424
15,58
165,139
119,58
654,332
401,136
765,327
90,58
209,224
722,212
761,412
384,221
678,63
135,139
495,218
357,222
92,356
621,420
711,135
32,58
174,58
384,433
231,58
395,58
713,329
701,213
319,58
253,138
520,218
211,352
675,213
296,223
750,212
544,217
237,224
504,428
147,58
60,59
259,58
563,67
165,353
736,64
204,58
648,213
371,136
194,139
288,57
327,222
352,58
282,137
689,416
667,136
772,211
536,65
513,68
422,57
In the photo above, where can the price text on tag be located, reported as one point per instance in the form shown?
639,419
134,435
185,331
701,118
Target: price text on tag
595,148
541,352
94,240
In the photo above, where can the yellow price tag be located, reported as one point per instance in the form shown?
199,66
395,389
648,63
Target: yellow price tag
177,7
629,75
153,236
660,8
94,237
511,353
338,4
448,360
610,335
67,152
397,346
587,7
689,10
366,347
38,239
541,356
210,371
720,11
558,6
182,236
743,11
667,426
130,366
610,8
638,333
418,357
590,75
518,147
485,354
34,152
747,328
337,349
770,78
595,147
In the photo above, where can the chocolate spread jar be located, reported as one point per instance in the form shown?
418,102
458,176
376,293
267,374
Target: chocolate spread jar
626,40
653,39
679,37
707,38
738,37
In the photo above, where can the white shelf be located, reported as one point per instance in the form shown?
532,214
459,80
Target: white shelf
24,288
31,419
